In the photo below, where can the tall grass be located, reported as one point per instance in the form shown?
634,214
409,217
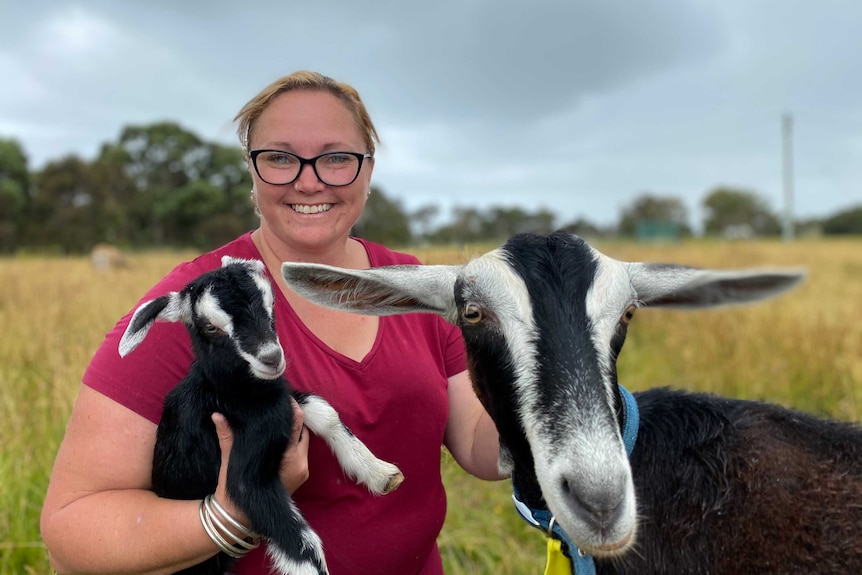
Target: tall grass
801,350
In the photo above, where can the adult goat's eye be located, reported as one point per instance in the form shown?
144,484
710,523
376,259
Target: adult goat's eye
471,313
628,315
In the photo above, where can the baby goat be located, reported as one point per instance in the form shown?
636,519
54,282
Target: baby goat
237,371
713,485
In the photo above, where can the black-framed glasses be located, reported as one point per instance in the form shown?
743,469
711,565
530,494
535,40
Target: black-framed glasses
280,168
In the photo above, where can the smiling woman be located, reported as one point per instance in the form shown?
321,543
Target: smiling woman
310,151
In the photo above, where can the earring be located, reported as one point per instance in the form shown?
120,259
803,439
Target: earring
253,197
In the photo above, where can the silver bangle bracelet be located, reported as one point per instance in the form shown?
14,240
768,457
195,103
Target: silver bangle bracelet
216,538
245,531
209,512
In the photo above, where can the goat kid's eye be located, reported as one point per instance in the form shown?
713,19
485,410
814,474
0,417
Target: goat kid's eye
628,315
211,329
471,313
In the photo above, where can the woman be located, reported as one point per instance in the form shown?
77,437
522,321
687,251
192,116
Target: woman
400,383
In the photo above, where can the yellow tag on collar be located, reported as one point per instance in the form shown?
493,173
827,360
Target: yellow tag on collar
558,563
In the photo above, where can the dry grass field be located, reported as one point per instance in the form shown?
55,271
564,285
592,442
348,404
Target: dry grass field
801,350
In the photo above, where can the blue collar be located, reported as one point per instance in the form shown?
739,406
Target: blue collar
582,563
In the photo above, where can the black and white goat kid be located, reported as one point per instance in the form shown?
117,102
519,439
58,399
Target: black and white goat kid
238,371
713,485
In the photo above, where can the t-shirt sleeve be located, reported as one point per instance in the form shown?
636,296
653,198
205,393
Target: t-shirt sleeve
455,355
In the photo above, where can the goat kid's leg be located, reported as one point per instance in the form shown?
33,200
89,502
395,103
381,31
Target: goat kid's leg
254,486
380,477
294,548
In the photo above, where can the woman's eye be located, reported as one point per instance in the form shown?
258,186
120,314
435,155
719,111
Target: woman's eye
472,313
279,159
339,159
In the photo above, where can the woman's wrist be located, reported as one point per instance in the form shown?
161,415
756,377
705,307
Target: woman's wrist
229,534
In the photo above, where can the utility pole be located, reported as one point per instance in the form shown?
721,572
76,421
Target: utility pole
787,146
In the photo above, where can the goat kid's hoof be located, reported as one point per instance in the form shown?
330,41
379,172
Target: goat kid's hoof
393,483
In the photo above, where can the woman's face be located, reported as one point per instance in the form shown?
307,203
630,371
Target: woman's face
308,215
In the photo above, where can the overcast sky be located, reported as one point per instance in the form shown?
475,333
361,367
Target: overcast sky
577,106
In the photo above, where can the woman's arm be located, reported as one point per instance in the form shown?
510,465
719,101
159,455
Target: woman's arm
99,515
471,435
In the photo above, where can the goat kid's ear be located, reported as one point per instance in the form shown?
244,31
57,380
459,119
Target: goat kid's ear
387,290
676,286
169,307
256,265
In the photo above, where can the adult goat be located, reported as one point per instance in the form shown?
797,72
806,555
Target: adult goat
713,485
238,371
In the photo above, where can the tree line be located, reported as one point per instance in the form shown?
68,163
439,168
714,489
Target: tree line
162,185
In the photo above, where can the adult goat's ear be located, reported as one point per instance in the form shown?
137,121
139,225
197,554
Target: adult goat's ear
676,286
387,290
169,307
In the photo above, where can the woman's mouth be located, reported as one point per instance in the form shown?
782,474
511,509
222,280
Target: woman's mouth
313,209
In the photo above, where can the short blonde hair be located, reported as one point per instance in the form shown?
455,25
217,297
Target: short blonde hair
312,81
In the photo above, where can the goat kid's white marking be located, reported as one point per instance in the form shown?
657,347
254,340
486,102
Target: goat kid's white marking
287,565
178,308
265,288
209,307
353,456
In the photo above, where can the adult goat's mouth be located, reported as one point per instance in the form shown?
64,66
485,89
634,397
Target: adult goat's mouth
311,209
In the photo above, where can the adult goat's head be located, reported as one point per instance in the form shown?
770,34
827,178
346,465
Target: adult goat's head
543,320
229,314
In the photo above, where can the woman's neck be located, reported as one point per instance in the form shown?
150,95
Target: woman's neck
348,254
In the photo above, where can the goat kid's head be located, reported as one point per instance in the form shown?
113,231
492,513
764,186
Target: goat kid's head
543,320
228,312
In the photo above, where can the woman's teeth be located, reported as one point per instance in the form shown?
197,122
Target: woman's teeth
315,209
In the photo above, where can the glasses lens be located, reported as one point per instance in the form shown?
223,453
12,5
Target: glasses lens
337,168
277,167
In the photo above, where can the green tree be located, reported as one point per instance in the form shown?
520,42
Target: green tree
663,211
422,221
165,170
227,170
158,159
66,206
500,223
383,220
844,222
736,211
185,210
466,226
14,194
584,228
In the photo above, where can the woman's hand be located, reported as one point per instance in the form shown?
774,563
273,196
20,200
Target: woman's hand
294,462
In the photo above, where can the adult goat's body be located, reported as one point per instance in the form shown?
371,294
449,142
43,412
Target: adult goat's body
727,486
238,371
713,485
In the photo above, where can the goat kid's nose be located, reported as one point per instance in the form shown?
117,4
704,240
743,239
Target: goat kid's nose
271,358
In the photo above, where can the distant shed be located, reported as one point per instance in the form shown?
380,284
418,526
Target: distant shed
657,231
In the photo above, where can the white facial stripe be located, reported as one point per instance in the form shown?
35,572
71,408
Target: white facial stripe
208,306
505,293
265,288
608,297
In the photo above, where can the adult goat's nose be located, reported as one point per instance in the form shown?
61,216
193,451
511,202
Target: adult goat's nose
601,508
